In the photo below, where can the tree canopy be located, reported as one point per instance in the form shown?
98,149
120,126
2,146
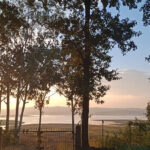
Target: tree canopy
81,34
88,31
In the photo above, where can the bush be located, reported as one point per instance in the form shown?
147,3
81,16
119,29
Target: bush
8,139
135,136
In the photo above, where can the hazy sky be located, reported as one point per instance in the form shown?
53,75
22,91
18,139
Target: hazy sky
133,90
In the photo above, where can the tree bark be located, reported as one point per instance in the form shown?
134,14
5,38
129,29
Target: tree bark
72,107
0,97
8,108
39,141
85,113
40,120
86,77
17,109
22,111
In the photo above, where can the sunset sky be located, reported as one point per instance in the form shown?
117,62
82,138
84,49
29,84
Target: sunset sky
133,90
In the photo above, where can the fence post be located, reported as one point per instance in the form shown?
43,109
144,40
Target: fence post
78,138
0,138
102,133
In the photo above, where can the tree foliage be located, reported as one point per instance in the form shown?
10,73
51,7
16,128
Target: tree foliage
146,13
81,35
29,63
88,33
146,17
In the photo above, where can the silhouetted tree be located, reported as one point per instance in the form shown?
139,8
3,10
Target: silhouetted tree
6,84
85,32
89,31
11,22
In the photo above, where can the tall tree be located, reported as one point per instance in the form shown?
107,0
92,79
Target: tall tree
89,31
11,22
85,32
7,82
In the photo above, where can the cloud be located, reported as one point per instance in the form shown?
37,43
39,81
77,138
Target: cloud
133,90
133,82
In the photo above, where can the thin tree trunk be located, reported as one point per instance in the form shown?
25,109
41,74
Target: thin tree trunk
72,107
0,102
17,108
87,63
8,108
39,129
23,108
0,97
40,119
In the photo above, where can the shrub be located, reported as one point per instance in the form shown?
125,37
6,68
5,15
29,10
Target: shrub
135,135
8,139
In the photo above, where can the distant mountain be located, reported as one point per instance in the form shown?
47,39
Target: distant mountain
93,111
118,111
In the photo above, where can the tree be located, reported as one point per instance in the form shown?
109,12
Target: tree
89,32
6,84
29,55
10,24
85,32
47,75
40,101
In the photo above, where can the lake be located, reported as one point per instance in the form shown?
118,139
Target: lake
66,119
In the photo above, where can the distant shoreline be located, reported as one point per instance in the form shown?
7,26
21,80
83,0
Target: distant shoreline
93,111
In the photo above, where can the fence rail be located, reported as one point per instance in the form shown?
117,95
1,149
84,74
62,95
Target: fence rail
47,139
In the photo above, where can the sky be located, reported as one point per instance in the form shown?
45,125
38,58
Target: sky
133,90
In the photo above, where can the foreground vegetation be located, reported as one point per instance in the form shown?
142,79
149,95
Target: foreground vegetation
130,136
126,136
62,44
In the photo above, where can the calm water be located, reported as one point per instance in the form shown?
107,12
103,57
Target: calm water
66,119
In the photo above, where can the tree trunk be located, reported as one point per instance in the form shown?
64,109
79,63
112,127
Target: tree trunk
86,77
0,102
40,120
39,141
85,114
17,109
23,108
0,97
8,108
72,107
